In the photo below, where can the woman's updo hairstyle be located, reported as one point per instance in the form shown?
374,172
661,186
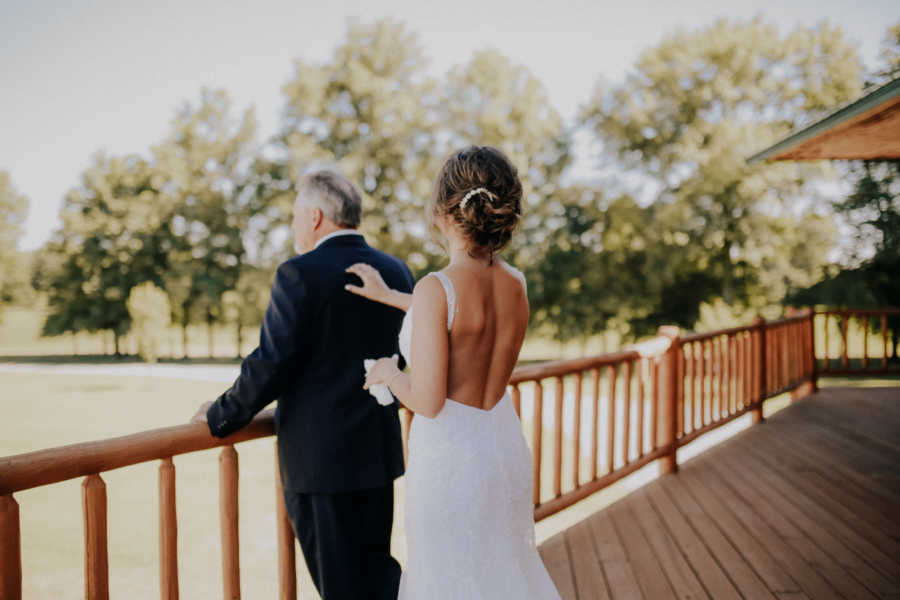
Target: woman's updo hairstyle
480,189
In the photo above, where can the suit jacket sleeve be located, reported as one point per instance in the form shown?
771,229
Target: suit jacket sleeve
280,348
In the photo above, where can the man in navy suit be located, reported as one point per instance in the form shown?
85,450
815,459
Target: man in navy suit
339,450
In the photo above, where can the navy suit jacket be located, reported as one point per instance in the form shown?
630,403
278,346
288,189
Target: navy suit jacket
333,436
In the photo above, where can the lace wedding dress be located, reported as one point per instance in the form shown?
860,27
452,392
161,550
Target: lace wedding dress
469,515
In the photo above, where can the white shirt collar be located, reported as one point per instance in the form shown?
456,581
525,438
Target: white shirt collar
335,234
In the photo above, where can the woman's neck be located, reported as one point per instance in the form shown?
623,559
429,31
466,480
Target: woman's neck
459,256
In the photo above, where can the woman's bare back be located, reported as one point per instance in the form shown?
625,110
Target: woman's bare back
488,329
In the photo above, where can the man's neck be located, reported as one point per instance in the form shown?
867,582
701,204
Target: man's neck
335,232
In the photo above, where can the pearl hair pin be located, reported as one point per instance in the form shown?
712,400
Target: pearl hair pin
465,200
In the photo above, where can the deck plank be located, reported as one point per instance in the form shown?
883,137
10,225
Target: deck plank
556,558
779,499
814,584
695,551
883,515
743,577
844,527
829,568
855,520
803,506
590,583
650,576
620,576
681,577
756,555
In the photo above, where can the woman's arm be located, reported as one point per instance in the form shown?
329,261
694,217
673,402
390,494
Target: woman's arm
424,389
374,288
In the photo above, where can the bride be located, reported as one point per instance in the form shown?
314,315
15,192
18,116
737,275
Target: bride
469,515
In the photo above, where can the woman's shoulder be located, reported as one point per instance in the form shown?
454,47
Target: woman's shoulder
515,272
428,288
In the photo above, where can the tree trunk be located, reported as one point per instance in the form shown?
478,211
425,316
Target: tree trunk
184,339
209,328
239,340
116,343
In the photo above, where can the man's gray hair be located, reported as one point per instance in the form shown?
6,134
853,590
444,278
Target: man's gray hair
334,194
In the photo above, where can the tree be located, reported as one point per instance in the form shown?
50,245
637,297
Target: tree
889,56
150,313
368,111
871,279
115,234
206,162
684,121
868,278
13,211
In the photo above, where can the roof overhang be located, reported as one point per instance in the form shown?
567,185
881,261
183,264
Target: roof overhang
868,128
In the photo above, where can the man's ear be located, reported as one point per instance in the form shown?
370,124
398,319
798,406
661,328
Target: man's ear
318,216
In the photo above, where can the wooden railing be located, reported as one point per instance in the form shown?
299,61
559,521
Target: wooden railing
622,411
91,459
833,325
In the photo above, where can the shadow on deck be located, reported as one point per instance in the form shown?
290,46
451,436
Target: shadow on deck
803,505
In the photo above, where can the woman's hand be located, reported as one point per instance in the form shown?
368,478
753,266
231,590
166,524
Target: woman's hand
373,286
383,371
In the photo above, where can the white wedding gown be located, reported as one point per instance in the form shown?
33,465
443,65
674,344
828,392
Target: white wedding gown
469,516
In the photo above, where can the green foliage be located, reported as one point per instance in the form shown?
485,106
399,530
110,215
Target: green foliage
13,272
873,209
148,307
115,234
369,111
707,238
694,107
205,162
889,56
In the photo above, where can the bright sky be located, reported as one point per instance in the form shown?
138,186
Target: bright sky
101,74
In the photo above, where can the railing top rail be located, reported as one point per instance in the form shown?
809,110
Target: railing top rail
698,337
52,465
558,368
859,311
705,335
801,316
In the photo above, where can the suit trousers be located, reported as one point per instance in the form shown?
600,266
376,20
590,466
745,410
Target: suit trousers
346,541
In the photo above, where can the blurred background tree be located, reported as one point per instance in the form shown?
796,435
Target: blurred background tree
681,230
115,234
206,164
150,314
869,277
685,119
14,282
369,111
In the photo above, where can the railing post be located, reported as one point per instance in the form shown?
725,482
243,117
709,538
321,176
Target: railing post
666,419
228,522
814,375
96,560
168,531
757,412
10,549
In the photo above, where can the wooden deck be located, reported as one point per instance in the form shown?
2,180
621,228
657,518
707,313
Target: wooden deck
804,505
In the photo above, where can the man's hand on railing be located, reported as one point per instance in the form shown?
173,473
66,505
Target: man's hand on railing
200,415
